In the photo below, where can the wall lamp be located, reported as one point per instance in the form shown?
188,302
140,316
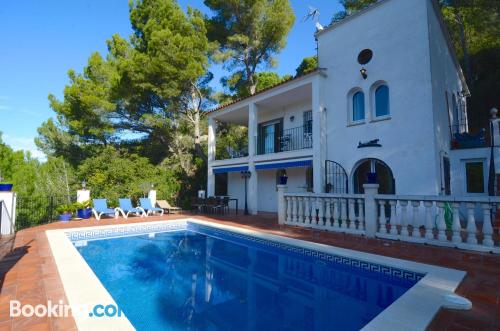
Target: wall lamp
364,73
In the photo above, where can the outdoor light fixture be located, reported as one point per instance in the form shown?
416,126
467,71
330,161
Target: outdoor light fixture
84,184
364,73
292,118
246,174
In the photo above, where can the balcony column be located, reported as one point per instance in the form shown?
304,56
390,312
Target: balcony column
319,138
252,148
212,128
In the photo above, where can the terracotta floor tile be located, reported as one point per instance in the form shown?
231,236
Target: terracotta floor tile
31,270
31,324
6,326
63,324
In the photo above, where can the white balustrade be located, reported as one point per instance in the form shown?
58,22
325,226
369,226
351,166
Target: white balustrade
300,215
487,228
352,215
308,211
429,223
319,206
361,215
382,220
453,218
394,218
404,218
336,214
456,227
439,220
288,210
328,214
471,224
294,210
343,214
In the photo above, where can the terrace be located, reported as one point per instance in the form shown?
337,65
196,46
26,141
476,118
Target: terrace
29,273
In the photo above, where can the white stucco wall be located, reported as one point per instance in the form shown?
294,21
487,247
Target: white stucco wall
268,194
286,112
458,158
267,197
445,83
396,32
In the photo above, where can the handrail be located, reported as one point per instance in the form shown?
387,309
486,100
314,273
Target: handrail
326,195
438,198
291,139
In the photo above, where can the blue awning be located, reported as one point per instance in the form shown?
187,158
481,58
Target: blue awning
229,169
282,165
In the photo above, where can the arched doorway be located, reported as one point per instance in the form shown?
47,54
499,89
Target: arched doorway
384,176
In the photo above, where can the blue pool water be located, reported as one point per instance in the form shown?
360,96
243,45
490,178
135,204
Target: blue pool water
186,280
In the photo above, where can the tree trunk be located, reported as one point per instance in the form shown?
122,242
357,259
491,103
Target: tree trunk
197,139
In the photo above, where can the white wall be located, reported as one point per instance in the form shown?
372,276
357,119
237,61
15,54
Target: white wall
236,189
457,168
445,81
286,112
396,32
268,194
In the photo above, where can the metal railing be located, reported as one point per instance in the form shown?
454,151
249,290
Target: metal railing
290,140
38,210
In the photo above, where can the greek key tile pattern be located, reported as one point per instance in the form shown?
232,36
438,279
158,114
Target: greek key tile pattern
113,232
122,231
393,272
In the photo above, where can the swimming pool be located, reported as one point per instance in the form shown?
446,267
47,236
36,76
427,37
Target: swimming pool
194,275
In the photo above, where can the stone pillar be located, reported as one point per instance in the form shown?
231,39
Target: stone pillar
152,197
319,139
281,204
8,212
252,147
212,129
210,182
82,195
253,205
371,218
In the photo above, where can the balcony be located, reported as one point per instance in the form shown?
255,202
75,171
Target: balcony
462,138
287,140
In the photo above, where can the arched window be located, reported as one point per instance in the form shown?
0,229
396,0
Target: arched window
358,106
382,101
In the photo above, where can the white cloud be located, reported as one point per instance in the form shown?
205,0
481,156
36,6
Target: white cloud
25,144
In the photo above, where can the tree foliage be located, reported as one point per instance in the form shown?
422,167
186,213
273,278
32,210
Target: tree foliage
114,174
249,33
307,65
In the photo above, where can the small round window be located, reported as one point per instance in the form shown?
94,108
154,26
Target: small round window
365,56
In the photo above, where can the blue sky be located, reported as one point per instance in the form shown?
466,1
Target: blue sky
41,40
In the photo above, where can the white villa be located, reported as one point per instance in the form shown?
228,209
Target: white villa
388,97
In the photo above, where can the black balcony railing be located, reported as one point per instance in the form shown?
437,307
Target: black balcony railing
287,140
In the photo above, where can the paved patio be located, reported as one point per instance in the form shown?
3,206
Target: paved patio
28,272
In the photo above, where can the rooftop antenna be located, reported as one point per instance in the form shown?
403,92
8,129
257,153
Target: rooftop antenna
313,14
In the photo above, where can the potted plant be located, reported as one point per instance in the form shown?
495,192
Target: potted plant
83,210
283,177
65,212
371,178
5,186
